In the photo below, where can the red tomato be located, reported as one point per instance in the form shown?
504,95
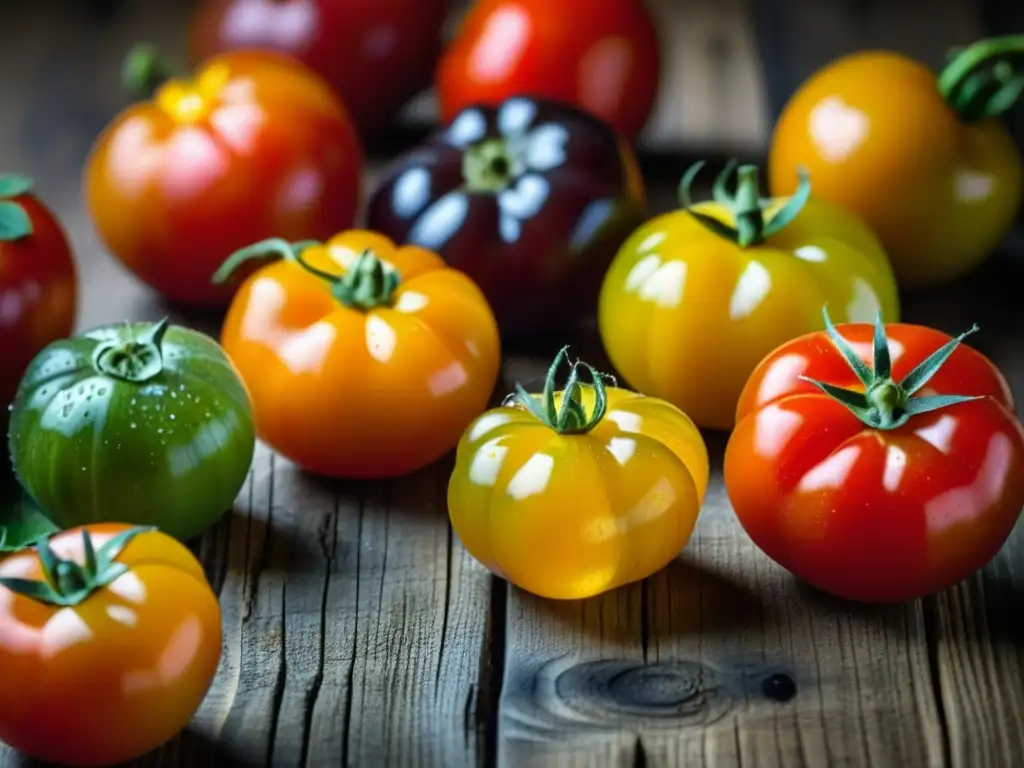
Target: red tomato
103,658
604,57
254,145
897,496
376,53
38,282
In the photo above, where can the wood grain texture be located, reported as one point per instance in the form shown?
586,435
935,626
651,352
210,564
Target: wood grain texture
359,632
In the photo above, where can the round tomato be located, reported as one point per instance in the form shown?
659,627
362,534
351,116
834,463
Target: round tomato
877,483
396,41
531,199
254,145
38,282
134,423
571,493
939,179
109,640
696,297
606,59
364,360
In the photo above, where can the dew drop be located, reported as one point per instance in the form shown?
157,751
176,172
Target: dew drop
172,416
160,431
133,425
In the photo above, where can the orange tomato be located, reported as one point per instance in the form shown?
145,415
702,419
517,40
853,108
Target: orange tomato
253,145
363,359
923,163
103,658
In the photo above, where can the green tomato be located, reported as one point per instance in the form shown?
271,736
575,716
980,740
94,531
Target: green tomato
136,423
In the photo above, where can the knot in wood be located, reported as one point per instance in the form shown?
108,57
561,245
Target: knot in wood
683,692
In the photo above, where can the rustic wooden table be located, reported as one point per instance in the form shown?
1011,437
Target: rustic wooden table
359,632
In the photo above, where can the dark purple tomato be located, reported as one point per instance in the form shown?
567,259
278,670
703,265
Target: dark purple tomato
530,198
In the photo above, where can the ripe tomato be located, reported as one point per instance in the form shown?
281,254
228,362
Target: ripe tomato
133,423
696,297
939,179
881,483
531,199
38,282
605,59
377,54
254,145
109,639
364,360
571,493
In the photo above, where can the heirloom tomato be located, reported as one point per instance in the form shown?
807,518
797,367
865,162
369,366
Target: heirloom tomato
38,282
530,199
882,482
253,145
133,423
924,162
109,640
364,360
571,493
697,297
377,54
604,58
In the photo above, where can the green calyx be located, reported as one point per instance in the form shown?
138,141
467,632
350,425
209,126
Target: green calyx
745,204
488,166
68,583
884,403
14,220
982,80
144,70
138,357
368,283
571,418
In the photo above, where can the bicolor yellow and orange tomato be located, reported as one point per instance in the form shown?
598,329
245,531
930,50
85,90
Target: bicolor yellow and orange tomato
571,493
937,178
110,637
697,297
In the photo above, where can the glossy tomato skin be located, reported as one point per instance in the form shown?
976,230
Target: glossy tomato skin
605,59
376,54
572,516
874,515
567,194
38,293
255,145
363,393
686,315
939,193
172,450
117,675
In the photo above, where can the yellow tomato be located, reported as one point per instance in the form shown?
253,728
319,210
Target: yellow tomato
697,297
571,495
920,159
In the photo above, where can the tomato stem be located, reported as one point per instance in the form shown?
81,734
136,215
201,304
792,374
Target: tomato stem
488,166
144,70
571,418
747,207
981,80
368,282
884,403
136,356
14,220
68,583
